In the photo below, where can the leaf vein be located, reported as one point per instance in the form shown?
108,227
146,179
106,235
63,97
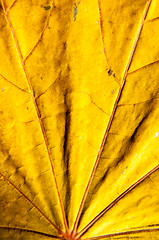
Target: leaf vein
149,64
41,35
37,112
23,195
12,4
28,230
124,233
116,201
23,90
111,117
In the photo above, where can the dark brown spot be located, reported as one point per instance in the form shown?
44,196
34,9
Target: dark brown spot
47,7
110,72
133,13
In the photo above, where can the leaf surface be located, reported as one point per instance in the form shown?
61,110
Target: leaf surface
79,119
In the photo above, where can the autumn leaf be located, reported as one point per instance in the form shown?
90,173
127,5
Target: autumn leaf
79,112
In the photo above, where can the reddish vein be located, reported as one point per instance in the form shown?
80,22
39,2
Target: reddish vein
123,233
145,66
23,90
41,35
111,118
152,19
116,201
12,4
19,229
102,34
38,113
21,193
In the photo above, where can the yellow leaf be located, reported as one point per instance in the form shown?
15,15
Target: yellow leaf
79,119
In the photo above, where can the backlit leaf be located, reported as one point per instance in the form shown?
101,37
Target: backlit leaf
79,114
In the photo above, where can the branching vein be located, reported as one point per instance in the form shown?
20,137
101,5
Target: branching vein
12,4
149,64
126,233
13,84
24,196
42,33
111,117
116,201
37,111
19,229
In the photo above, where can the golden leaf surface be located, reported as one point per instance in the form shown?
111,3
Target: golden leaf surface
79,141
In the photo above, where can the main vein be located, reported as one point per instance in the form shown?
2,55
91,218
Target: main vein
111,117
37,111
94,220
18,229
124,234
24,196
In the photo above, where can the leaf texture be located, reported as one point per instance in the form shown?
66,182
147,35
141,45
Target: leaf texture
79,119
